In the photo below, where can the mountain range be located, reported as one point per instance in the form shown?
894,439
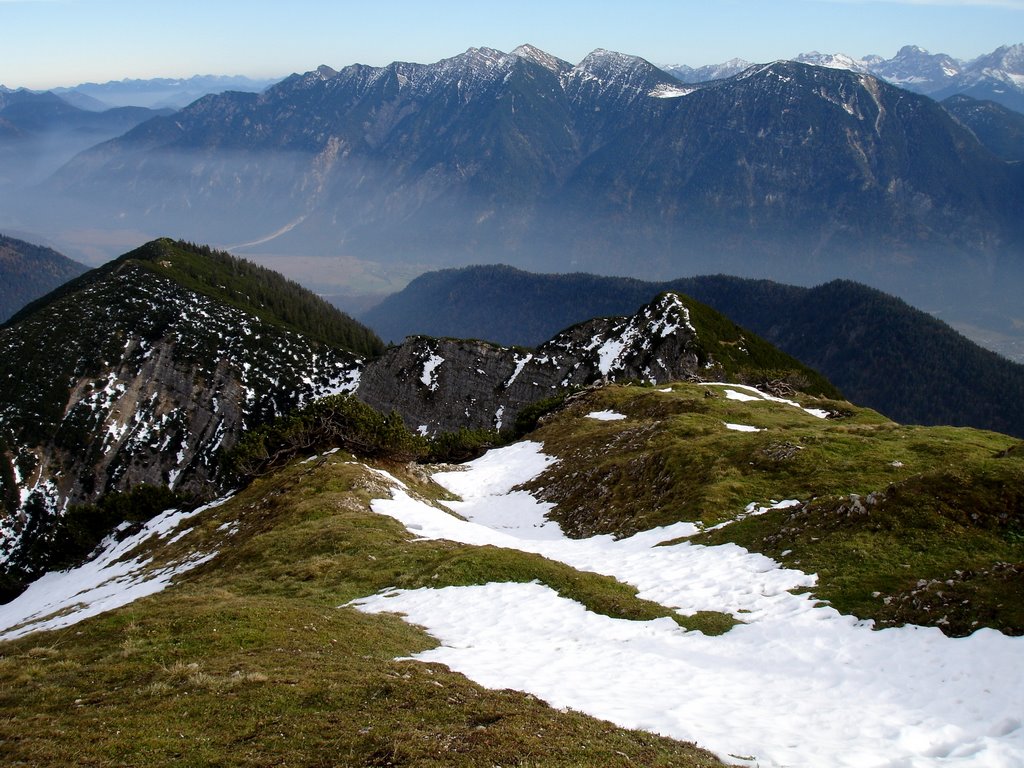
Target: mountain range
785,171
997,76
638,556
156,93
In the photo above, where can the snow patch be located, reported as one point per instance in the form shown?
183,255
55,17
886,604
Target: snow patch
796,684
606,415
751,394
741,427
520,364
110,580
667,91
429,375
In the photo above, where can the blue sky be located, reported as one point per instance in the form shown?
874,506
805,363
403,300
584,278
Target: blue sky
48,43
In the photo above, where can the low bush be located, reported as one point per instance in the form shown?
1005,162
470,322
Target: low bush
337,421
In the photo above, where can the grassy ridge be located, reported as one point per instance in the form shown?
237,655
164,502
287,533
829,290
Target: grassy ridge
901,523
745,356
250,661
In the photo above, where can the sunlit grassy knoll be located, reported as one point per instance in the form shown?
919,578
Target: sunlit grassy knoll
250,661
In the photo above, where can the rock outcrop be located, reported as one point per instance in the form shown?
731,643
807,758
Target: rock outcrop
446,384
132,378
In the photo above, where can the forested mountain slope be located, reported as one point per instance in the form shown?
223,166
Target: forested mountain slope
28,271
140,371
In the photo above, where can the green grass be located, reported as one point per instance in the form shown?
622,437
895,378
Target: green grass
250,661
943,545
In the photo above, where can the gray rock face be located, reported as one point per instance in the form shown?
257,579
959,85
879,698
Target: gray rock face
446,384
137,380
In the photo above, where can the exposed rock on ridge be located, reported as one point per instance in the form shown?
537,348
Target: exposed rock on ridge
134,379
447,384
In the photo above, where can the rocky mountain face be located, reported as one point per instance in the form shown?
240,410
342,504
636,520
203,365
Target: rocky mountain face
881,352
28,271
609,165
916,69
999,128
445,384
127,376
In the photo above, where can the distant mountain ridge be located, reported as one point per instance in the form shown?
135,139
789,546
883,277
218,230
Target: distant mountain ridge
608,165
29,271
997,76
39,132
784,171
157,93
880,352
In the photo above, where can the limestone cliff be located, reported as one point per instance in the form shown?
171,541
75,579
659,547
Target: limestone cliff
132,378
445,384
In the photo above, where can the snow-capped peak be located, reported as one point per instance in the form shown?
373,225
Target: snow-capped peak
832,61
1007,58
611,64
546,60
630,75
487,58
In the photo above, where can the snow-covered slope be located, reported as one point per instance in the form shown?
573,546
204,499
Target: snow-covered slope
781,689
745,658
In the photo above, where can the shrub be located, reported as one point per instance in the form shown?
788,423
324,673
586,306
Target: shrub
337,421
463,445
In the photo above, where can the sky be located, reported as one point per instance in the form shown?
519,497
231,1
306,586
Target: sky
51,43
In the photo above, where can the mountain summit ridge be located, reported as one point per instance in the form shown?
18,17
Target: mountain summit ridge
510,156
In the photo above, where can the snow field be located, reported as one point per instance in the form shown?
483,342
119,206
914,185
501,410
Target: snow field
110,580
798,684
